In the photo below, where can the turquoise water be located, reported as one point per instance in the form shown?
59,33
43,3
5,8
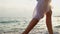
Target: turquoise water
20,23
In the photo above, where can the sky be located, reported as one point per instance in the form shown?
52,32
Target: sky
14,8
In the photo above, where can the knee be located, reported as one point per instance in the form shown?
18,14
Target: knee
49,13
40,17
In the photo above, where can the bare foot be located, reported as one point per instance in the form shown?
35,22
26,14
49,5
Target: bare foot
24,33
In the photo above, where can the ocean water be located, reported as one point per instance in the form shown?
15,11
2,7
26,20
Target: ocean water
18,24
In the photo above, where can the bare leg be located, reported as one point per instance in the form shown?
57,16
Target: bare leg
30,26
49,22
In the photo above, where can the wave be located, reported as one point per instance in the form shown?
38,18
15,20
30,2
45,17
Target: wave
8,21
56,16
57,26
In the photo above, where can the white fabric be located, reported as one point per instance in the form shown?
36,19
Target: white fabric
42,7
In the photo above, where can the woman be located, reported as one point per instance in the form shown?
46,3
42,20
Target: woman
43,7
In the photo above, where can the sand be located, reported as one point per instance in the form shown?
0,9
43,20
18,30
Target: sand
33,31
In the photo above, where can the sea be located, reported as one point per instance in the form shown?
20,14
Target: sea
16,25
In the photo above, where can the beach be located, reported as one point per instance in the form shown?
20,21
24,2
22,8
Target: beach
17,25
33,31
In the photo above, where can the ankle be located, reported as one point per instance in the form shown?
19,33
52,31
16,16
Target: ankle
25,32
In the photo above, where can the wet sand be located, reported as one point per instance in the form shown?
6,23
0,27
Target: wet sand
33,31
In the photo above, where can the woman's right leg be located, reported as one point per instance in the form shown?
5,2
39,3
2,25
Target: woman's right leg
30,26
36,17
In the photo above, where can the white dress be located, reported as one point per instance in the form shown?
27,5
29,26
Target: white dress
42,7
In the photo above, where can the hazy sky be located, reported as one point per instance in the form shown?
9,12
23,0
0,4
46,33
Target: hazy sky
23,7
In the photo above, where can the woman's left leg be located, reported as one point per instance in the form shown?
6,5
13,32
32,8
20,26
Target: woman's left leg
49,21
